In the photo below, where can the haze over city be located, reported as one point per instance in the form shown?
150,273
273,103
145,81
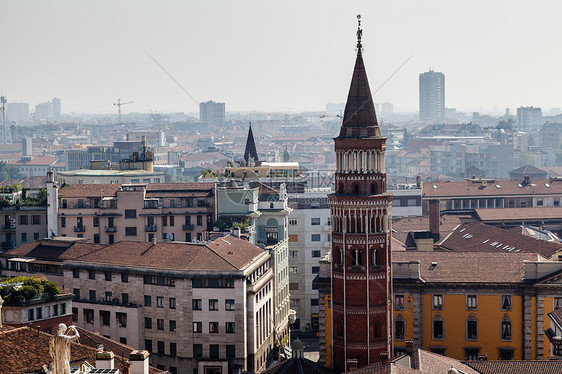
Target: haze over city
277,56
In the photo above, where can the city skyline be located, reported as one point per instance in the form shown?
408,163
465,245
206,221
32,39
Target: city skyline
275,57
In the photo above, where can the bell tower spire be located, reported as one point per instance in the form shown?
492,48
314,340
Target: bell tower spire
361,228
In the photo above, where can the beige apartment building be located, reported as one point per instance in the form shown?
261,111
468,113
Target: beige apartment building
22,224
109,213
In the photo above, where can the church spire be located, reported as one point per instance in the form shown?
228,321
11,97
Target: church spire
359,119
250,151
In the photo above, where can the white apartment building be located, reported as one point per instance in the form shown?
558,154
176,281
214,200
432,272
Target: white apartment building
309,241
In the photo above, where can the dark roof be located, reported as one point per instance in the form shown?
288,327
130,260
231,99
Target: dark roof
250,150
298,366
53,249
25,350
516,367
223,254
479,237
528,170
359,119
556,316
468,267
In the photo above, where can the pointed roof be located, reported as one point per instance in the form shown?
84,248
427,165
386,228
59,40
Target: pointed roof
250,150
359,119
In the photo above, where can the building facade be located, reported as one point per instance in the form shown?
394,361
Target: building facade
211,112
432,96
360,210
22,224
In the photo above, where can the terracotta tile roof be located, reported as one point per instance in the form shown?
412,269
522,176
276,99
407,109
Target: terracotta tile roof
556,316
153,187
402,226
468,267
47,249
477,189
223,254
25,350
479,237
527,214
93,340
35,161
298,365
516,367
34,182
88,190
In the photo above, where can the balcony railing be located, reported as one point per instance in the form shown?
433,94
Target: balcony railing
110,229
9,227
79,228
150,228
188,227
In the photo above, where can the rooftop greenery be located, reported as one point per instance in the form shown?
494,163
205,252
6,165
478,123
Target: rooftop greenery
20,289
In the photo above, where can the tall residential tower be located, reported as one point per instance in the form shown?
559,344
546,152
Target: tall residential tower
432,96
361,226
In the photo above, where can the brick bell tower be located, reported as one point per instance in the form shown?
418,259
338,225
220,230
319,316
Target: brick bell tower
361,229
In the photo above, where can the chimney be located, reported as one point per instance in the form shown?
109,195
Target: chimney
352,364
526,179
409,346
126,369
153,241
482,357
418,181
235,231
105,360
139,362
434,215
384,357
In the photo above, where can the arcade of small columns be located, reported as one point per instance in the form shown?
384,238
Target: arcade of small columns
360,161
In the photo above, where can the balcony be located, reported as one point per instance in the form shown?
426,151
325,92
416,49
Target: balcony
9,227
188,227
79,228
150,228
110,229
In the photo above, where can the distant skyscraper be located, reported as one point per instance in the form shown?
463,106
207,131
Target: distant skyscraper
17,111
529,118
211,112
56,107
432,96
27,146
387,109
44,110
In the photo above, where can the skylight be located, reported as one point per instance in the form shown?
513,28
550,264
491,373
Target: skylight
498,186
547,185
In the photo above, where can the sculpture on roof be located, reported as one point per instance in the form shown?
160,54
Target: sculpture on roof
59,348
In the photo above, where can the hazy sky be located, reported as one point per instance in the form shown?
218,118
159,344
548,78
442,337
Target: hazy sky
277,56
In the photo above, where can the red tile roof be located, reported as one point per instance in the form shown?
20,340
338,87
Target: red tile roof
468,267
519,214
35,161
479,237
223,254
53,249
401,227
517,367
477,189
88,190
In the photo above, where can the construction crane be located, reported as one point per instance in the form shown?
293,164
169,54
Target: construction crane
118,105
6,136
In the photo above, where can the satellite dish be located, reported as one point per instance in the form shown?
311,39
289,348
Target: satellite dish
170,236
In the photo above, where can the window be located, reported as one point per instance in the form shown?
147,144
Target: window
315,254
125,298
357,259
123,340
471,328
55,310
30,315
24,237
89,315
229,327
199,220
438,302
159,302
188,237
147,323
160,324
558,302
539,202
92,295
293,270
23,220
108,297
505,353
108,276
399,328
293,238
124,277
197,304
171,220
130,213
506,329
506,302
230,350
96,238
471,354
105,317
197,327
293,222
438,328
293,286
315,221
63,309
172,303
63,222
148,345
213,327
76,292
74,314
315,269
172,325
295,303
471,302
147,300
229,304
35,220
213,304
197,350
121,319
130,231
173,350
75,273
399,302
214,350
96,221
92,274
313,302
315,237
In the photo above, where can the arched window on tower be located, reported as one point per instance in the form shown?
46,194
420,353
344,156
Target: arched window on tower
376,330
374,261
356,188
339,327
340,188
357,260
374,189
